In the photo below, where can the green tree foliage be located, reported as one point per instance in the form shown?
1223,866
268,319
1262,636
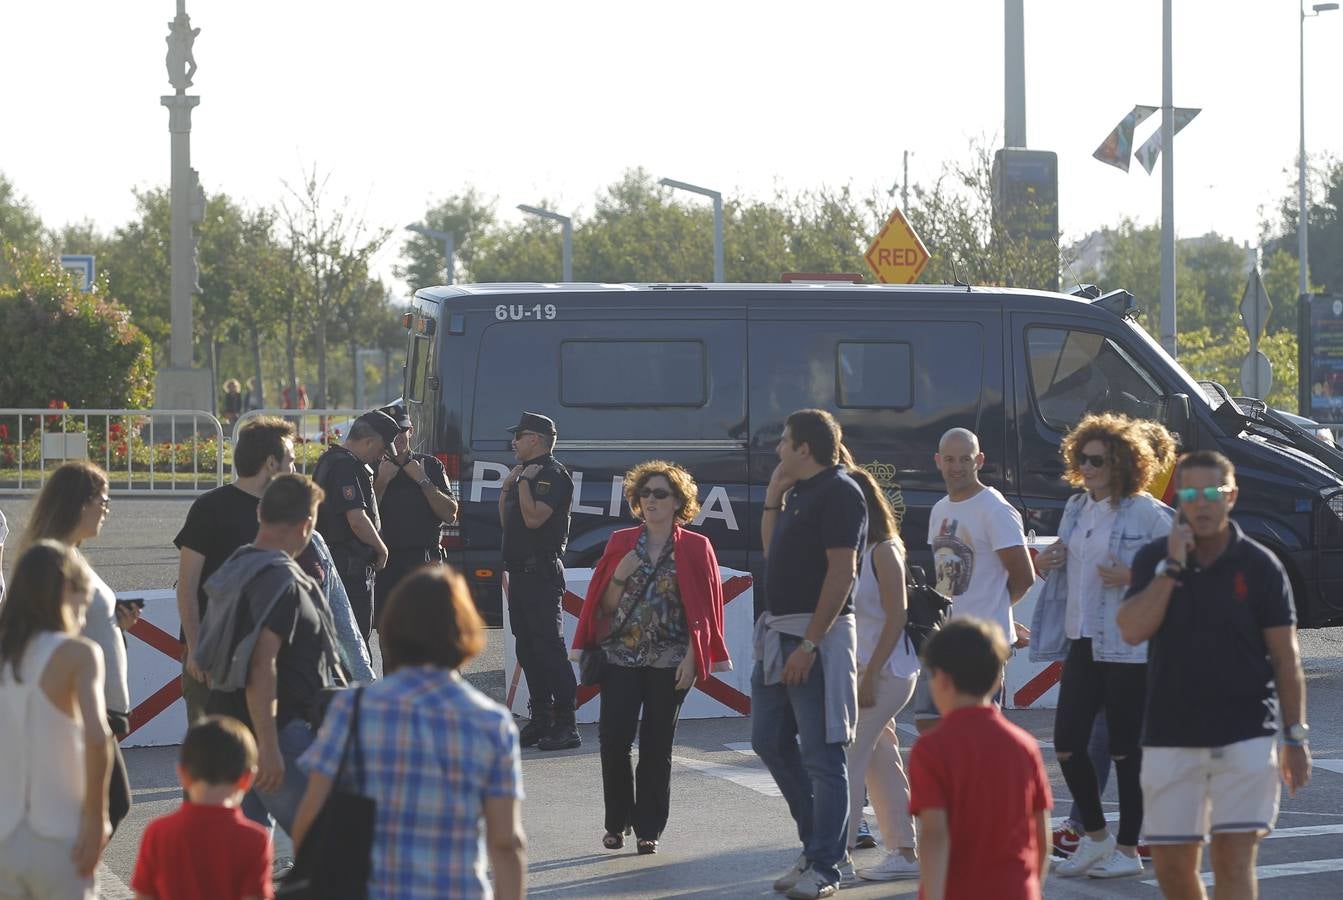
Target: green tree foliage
20,226
1212,355
41,312
466,216
1324,185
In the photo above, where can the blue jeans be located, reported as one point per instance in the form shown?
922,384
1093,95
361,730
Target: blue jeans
267,809
788,734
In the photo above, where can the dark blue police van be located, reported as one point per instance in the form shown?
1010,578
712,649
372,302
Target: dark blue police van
706,374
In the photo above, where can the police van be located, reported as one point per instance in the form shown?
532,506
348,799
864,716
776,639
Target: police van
706,374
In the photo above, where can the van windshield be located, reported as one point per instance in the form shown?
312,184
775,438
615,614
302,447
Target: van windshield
1187,383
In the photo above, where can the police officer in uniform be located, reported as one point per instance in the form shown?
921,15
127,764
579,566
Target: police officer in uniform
534,512
415,501
348,516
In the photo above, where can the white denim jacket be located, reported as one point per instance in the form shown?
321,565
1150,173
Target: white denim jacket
1140,520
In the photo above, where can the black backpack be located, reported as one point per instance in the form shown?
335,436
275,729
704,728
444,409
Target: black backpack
927,608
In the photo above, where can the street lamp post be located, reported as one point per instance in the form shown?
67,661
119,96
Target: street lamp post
568,223
449,244
1302,210
717,199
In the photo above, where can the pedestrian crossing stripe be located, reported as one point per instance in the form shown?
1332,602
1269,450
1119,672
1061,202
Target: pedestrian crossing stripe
1280,870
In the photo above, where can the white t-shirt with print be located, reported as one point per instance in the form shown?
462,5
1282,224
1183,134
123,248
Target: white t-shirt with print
965,536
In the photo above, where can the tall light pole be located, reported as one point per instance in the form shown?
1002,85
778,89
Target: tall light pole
449,245
717,199
1014,81
1302,210
1168,331
567,260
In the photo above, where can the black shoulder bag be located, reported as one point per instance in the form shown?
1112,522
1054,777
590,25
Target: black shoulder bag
336,858
927,608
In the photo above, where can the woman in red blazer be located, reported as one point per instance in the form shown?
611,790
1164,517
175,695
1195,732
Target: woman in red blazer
655,608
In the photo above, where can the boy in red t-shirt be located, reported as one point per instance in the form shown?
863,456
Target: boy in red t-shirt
207,850
977,782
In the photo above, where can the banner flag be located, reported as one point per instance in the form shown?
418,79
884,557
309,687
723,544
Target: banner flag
1117,148
1150,150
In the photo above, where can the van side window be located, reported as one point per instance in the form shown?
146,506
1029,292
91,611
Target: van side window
419,367
632,373
873,375
1078,372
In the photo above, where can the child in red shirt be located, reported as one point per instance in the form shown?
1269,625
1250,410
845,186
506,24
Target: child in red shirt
977,782
207,850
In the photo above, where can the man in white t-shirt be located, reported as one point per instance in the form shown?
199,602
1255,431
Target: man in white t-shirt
979,549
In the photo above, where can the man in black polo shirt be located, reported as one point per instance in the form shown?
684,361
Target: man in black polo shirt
804,684
1223,675
534,512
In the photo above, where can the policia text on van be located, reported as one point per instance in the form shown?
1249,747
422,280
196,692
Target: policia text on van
706,374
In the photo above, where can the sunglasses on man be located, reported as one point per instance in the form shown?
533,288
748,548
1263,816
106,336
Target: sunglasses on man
1211,494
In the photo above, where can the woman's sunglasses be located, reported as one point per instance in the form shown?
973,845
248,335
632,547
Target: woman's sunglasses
1211,494
1096,461
655,493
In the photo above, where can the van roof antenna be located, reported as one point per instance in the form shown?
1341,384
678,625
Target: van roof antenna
956,274
1067,261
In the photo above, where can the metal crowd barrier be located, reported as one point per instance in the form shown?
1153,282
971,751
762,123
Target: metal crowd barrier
143,451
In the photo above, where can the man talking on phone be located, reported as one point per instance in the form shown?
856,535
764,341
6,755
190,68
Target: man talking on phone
1223,678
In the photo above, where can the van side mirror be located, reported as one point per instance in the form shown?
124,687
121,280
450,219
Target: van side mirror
1178,416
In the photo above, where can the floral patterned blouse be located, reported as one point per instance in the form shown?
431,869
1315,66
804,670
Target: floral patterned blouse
649,626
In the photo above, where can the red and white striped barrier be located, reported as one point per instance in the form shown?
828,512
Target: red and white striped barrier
154,663
724,695
1032,685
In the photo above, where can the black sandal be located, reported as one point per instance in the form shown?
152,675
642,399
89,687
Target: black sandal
613,841
647,846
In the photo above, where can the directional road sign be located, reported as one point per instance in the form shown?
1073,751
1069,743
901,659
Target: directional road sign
897,256
1255,306
83,264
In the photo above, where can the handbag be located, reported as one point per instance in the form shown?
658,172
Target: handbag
928,609
593,666
336,859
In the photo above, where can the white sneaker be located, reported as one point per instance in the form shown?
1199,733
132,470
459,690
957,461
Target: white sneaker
786,881
810,886
1088,853
889,869
1117,866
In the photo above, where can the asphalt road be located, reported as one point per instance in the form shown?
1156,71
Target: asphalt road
729,833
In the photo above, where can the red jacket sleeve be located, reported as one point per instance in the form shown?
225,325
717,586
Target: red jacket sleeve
588,632
702,596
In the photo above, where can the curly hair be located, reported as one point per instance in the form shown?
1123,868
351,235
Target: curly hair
682,485
1137,451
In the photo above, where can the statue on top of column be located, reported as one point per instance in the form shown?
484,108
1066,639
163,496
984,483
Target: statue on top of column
181,63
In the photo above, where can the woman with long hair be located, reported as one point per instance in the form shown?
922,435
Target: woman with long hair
1087,570
654,607
54,740
888,669
71,508
439,759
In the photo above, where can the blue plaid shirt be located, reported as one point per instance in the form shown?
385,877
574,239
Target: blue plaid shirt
434,749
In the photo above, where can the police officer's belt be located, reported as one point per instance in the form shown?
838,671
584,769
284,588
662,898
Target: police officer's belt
531,564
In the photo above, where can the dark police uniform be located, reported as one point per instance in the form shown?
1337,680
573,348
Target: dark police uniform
536,581
411,529
348,484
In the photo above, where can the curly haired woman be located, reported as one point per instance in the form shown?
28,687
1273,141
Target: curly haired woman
1114,459
655,608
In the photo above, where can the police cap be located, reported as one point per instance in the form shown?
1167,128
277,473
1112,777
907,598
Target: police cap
382,423
398,414
531,421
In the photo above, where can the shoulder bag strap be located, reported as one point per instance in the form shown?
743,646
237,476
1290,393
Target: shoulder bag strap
648,589
352,737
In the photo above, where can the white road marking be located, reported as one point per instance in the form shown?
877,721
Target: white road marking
1283,870
1329,765
1304,831
110,887
758,780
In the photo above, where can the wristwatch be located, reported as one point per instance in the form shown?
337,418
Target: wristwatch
809,646
1171,568
1296,735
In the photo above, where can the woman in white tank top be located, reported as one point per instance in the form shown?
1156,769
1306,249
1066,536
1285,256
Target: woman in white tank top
888,669
54,739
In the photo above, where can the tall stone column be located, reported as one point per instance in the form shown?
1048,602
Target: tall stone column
181,385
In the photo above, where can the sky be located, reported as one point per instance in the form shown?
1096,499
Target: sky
404,102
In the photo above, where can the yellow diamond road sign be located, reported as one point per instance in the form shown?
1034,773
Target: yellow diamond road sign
897,256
